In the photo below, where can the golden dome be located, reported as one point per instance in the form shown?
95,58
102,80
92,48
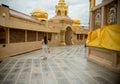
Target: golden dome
76,22
39,13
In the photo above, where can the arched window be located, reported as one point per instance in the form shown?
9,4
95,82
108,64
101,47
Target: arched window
59,13
2,36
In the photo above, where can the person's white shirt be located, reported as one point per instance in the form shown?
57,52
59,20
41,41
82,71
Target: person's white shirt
43,44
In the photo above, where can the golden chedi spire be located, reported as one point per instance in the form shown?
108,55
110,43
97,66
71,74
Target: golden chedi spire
76,22
40,14
61,8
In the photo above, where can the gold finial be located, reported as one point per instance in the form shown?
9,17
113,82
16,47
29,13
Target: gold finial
61,1
92,3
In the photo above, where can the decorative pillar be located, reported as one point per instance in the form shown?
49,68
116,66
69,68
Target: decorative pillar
118,12
92,17
62,42
92,21
102,16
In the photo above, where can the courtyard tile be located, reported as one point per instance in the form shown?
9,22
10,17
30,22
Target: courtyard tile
65,65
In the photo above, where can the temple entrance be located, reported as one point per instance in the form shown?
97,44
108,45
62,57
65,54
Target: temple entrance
68,36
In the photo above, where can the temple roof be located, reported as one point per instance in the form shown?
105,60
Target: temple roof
39,13
76,22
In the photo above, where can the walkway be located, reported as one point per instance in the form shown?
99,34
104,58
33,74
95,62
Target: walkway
65,65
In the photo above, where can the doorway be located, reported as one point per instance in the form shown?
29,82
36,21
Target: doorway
68,36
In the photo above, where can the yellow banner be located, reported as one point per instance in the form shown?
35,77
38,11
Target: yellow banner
105,37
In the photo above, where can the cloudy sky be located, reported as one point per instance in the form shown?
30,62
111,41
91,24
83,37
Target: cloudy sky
77,8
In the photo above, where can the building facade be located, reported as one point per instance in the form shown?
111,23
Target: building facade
20,33
104,48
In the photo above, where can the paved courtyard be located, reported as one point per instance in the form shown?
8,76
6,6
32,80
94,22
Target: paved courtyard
65,65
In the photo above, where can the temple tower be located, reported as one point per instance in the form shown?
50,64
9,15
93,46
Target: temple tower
63,23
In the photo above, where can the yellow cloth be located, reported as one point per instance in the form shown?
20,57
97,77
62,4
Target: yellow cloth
105,37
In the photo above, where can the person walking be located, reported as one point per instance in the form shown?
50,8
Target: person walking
45,48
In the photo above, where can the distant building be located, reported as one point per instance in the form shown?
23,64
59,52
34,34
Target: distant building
20,33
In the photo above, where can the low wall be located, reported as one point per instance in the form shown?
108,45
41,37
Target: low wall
104,57
12,49
54,43
18,48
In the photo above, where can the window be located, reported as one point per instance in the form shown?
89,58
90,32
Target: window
86,36
77,36
2,36
40,36
17,35
81,36
31,36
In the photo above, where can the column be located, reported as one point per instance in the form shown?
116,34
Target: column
46,34
63,38
83,36
72,37
92,21
25,35
36,36
114,59
102,16
118,12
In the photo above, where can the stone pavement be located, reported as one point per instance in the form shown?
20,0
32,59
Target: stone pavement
65,65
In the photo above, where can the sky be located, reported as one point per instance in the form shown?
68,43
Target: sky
76,8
